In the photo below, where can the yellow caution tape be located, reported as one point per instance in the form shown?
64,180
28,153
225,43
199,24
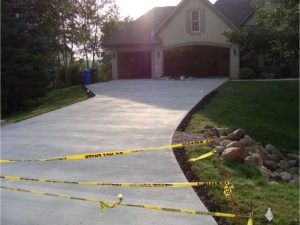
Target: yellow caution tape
228,189
204,156
186,211
103,204
107,154
106,204
143,185
250,220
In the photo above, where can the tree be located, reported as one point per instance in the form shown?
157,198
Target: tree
24,53
40,38
93,15
276,33
108,29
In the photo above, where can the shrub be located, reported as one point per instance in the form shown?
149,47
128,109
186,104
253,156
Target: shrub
247,73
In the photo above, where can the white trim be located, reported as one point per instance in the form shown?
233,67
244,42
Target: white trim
195,21
215,44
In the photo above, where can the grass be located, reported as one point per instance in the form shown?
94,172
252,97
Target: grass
54,99
269,112
251,186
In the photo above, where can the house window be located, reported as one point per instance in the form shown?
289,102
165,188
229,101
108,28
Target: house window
195,22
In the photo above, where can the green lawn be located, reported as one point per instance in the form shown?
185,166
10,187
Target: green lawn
54,99
269,112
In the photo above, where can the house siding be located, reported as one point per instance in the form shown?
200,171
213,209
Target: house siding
175,31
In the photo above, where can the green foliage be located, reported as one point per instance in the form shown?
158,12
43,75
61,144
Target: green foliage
276,33
94,15
109,28
54,99
268,111
39,40
247,73
282,23
73,73
25,54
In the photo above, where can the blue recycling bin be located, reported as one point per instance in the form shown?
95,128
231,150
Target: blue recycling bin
86,77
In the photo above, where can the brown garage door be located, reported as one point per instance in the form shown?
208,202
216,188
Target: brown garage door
134,65
197,61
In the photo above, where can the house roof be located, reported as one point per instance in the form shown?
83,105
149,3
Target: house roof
141,31
235,10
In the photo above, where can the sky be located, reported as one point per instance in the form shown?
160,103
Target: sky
136,8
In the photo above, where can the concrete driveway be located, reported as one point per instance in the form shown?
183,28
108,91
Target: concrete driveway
123,114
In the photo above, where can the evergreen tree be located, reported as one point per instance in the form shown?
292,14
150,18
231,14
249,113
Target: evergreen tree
25,58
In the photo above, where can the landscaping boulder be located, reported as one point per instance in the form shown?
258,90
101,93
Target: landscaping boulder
294,170
260,150
237,145
225,142
269,174
217,141
215,131
280,170
209,134
236,135
233,144
233,154
249,150
224,131
275,157
254,159
293,156
220,149
246,141
270,164
283,164
274,151
285,176
292,162
264,171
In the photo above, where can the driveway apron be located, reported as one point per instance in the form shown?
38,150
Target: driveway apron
124,114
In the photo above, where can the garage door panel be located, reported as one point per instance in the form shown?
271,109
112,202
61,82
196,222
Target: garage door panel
134,65
198,61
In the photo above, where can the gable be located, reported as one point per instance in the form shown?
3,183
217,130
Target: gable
235,10
175,32
141,31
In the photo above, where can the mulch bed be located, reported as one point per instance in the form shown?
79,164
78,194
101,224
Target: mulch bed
180,154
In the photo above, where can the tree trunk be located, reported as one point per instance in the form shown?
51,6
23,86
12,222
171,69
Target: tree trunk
86,57
58,69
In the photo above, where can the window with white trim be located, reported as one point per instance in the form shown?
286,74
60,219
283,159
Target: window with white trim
195,21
